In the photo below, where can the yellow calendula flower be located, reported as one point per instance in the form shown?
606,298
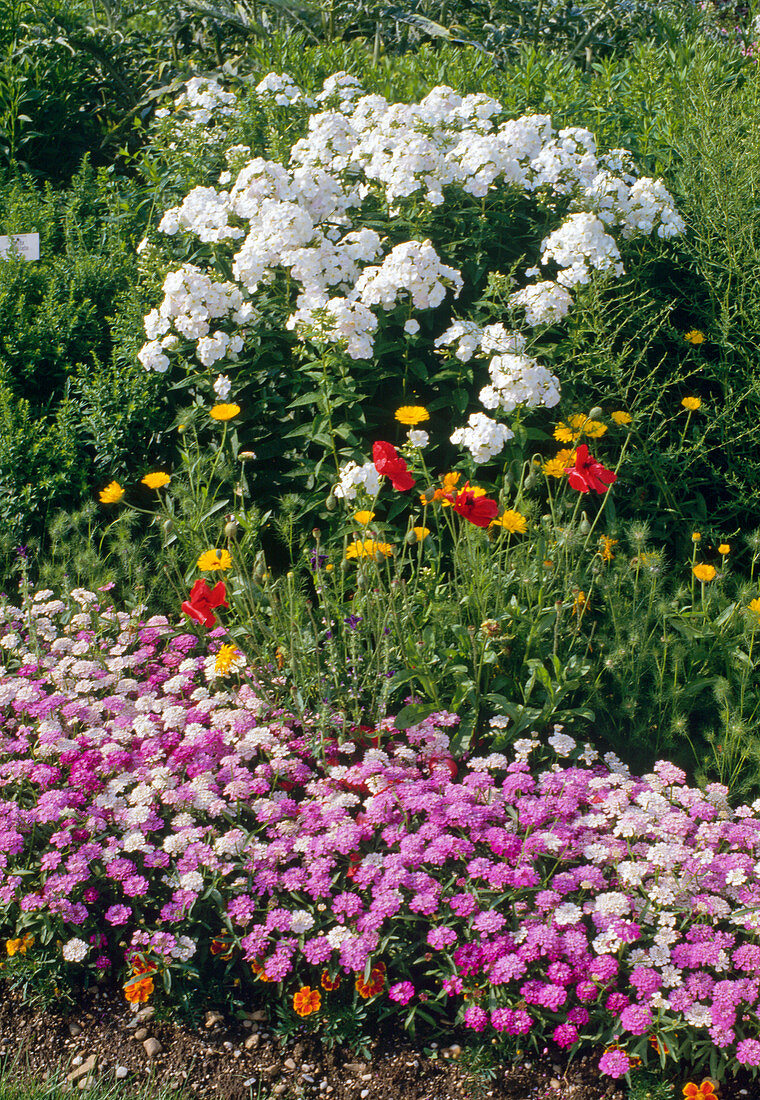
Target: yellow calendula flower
224,412
512,521
364,517
411,415
754,607
692,403
214,559
694,336
157,480
421,533
594,429
724,549
368,548
704,572
564,434
696,536
620,418
228,659
555,467
112,493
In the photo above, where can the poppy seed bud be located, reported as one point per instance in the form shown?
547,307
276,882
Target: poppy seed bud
331,503
595,413
231,528
584,525
168,526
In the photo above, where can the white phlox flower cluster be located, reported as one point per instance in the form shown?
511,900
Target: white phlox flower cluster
281,91
191,301
518,381
545,303
305,219
354,477
204,99
484,438
412,268
581,245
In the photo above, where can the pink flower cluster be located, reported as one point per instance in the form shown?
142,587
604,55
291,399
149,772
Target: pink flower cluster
141,802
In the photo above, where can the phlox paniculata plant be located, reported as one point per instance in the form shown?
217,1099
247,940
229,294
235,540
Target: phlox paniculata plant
365,252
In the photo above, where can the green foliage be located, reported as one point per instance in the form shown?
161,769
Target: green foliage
71,411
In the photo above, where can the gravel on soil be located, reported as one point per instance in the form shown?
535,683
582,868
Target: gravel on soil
104,1038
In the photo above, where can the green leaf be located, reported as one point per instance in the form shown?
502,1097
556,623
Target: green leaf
411,714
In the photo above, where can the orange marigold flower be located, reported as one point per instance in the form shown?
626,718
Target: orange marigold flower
307,1000
137,992
374,984
705,1091
329,983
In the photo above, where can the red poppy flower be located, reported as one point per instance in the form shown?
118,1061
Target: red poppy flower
388,462
588,473
202,600
476,508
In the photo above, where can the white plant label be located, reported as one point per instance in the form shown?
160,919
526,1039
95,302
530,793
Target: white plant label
27,245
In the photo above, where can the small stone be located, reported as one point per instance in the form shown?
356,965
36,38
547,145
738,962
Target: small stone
228,1045
247,1024
364,1093
307,1077
356,1067
74,1029
77,1060
278,1090
147,1012
121,1073
213,1019
249,1082
252,1041
365,1077
152,1047
289,1064
554,1083
140,1034
236,1053
259,1016
83,1069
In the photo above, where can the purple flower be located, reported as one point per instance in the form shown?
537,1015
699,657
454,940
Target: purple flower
475,1018
748,1052
118,914
615,1063
402,992
636,1018
565,1035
